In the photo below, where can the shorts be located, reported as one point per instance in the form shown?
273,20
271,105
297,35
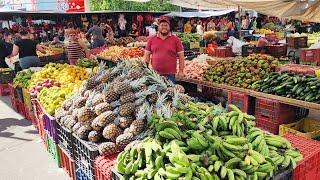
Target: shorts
29,61
171,77
97,43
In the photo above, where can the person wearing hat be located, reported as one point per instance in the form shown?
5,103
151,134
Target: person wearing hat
27,50
164,48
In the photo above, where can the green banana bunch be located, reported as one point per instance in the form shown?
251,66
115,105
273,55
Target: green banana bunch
197,141
257,138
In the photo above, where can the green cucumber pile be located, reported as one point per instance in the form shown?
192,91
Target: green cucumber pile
87,63
301,87
202,142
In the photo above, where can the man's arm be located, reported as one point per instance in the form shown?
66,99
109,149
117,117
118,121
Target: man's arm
181,64
146,56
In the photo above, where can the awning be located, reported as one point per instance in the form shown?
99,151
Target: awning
200,14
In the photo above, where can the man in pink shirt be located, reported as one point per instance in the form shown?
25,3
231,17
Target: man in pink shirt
164,48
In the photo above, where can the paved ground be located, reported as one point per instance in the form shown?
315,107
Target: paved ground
22,154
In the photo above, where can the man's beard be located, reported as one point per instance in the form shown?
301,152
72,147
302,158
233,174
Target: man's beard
164,34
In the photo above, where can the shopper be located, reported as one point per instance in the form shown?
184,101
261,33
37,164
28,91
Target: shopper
4,52
27,50
211,26
76,48
200,28
245,23
187,27
97,37
164,48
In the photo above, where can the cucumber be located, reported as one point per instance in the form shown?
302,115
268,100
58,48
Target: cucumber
300,89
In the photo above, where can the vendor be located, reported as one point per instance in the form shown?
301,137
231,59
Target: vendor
97,37
5,51
27,50
187,27
164,48
134,31
76,48
56,40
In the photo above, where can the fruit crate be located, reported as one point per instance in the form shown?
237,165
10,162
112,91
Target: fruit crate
242,101
51,127
14,104
278,50
12,91
26,98
103,166
67,163
297,42
301,113
267,124
53,149
21,108
308,128
271,36
224,52
19,93
275,111
310,55
80,175
85,154
247,50
4,90
309,167
37,109
41,130
66,140
7,76
116,175
31,116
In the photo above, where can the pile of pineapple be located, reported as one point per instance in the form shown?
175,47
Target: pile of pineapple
112,106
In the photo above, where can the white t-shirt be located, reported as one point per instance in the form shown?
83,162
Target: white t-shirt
199,29
152,31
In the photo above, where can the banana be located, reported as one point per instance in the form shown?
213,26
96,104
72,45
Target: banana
237,140
128,168
230,174
201,139
232,162
252,170
194,144
211,168
161,172
181,169
232,147
293,162
248,117
217,166
239,172
172,169
189,175
255,176
227,152
267,167
223,172
166,135
194,158
165,124
261,175
173,132
279,161
172,175
120,166
213,158
239,130
179,143
286,162
215,123
234,108
159,162
257,140
257,156
247,160
253,161
240,117
253,135
224,122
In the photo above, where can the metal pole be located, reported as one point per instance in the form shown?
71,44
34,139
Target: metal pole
240,21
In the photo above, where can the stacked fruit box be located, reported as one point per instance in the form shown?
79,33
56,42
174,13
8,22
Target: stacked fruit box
66,140
51,127
103,166
53,149
242,101
4,90
270,114
67,163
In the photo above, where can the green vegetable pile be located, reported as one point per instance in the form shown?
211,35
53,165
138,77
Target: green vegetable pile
189,37
87,63
241,72
306,88
204,142
22,78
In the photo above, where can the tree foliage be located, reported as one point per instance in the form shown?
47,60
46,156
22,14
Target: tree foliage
121,5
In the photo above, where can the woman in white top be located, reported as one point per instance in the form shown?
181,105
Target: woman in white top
200,28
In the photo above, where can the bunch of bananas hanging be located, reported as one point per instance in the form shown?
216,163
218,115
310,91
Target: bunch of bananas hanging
208,144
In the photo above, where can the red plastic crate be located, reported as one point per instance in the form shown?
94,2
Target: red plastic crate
21,108
42,131
274,110
12,91
242,101
14,104
67,163
267,124
309,167
310,55
103,166
4,90
30,116
223,52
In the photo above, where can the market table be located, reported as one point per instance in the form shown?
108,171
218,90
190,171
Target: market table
285,100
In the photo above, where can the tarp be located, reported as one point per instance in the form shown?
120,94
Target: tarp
200,14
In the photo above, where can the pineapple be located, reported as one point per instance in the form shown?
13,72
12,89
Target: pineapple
128,97
127,109
102,120
155,79
67,104
111,132
111,96
83,132
70,124
128,86
123,140
76,127
94,136
135,73
102,107
105,76
108,148
98,98
85,114
179,88
138,125
60,113
80,102
99,88
125,122
91,82
87,93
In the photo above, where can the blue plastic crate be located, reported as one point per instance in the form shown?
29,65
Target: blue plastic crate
82,176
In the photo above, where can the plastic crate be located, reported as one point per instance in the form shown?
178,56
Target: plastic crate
85,154
41,130
275,111
278,50
31,117
51,127
21,108
27,98
116,175
242,101
19,94
12,91
103,167
66,140
37,109
53,149
4,90
247,50
267,124
67,163
297,42
80,175
308,128
271,37
14,105
309,167
7,76
223,52
310,55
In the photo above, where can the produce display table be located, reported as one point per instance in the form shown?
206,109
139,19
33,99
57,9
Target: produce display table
290,101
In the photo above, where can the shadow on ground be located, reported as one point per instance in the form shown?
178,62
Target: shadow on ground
6,123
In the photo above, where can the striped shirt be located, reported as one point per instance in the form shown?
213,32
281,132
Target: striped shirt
75,52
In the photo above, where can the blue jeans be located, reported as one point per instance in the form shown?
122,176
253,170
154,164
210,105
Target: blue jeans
29,61
97,43
171,77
